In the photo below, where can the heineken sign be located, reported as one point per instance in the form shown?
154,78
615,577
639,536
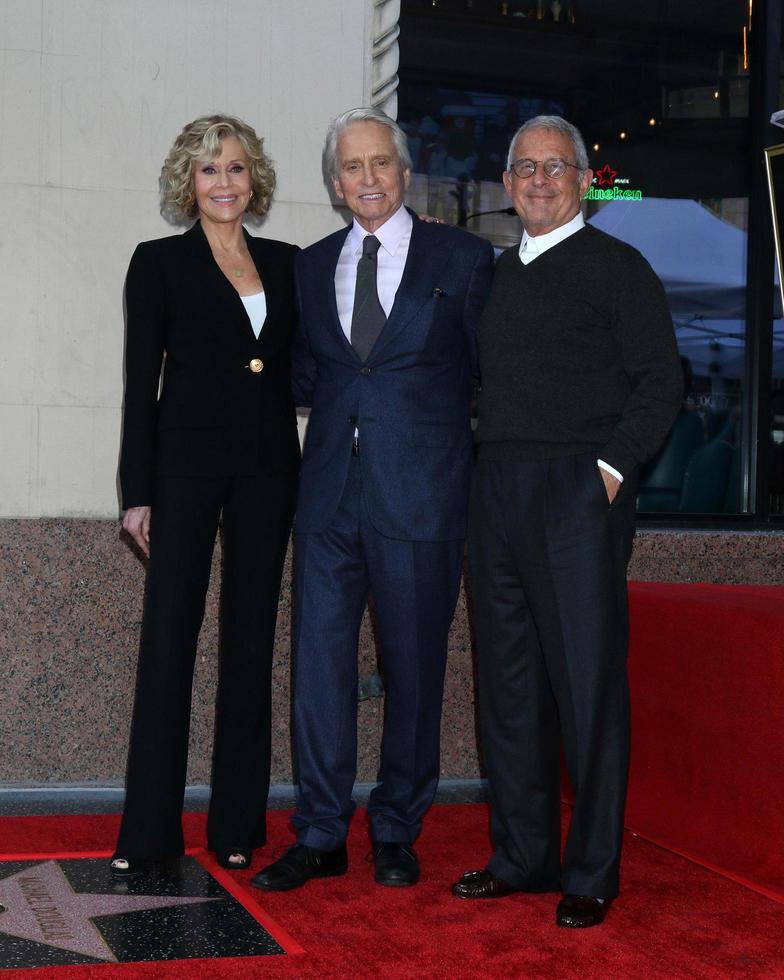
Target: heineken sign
608,186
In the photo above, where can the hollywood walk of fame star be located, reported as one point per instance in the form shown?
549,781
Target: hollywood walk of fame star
606,176
39,904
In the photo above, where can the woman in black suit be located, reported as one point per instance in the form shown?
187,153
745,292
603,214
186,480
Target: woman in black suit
216,307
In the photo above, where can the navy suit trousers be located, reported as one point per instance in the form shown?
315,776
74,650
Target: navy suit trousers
414,585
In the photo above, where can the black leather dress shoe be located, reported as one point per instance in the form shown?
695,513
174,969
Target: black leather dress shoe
396,864
482,884
298,865
581,911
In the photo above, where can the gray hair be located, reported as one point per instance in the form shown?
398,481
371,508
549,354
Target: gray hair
559,125
345,119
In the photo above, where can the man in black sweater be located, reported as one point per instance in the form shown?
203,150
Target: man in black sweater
580,384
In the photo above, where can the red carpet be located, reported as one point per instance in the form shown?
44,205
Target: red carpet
674,919
706,668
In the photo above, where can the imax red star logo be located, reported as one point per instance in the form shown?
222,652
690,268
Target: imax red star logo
606,176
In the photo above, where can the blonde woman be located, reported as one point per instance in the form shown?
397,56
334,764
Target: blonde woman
214,307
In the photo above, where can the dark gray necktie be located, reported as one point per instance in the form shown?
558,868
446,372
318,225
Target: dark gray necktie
368,318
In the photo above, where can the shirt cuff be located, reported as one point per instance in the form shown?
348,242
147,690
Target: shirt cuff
611,470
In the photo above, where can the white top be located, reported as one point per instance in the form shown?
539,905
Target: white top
395,237
256,308
532,246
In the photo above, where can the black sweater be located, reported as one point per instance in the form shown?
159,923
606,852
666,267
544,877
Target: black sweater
578,354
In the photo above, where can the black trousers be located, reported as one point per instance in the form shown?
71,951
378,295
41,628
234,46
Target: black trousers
548,559
256,520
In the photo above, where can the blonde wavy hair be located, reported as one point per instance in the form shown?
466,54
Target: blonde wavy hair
200,140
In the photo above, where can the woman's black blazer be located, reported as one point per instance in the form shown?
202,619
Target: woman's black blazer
215,416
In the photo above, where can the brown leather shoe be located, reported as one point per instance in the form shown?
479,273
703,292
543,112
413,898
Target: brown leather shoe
482,884
581,911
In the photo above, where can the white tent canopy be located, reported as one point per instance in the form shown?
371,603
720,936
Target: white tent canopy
718,347
700,259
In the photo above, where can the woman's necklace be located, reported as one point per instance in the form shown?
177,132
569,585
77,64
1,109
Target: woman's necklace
236,269
230,260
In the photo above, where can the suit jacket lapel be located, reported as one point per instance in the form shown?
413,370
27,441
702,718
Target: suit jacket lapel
270,272
225,297
428,253
325,273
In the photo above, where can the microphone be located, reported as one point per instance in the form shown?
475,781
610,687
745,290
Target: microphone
479,214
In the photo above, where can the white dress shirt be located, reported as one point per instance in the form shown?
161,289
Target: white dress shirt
531,247
395,237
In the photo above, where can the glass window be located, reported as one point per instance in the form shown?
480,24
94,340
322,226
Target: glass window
698,250
661,95
776,461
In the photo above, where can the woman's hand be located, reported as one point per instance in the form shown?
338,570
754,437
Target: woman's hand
136,521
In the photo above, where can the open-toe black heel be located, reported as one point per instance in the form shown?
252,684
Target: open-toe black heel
123,867
243,853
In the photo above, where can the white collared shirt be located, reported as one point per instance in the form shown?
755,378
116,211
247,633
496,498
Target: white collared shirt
531,247
395,237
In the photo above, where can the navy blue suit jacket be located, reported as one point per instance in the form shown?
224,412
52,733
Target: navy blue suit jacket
410,399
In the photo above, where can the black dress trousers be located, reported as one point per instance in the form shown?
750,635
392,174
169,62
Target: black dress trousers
256,514
548,558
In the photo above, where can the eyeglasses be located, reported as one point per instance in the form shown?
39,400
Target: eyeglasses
554,167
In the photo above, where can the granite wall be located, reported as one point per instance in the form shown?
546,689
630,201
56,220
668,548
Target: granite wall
70,609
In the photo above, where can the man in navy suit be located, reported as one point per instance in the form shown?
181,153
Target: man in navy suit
384,356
